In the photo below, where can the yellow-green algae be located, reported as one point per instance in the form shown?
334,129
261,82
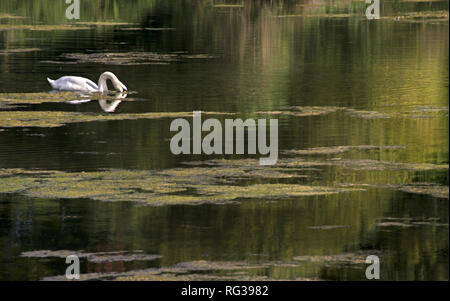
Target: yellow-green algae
189,271
331,150
328,227
105,23
431,189
156,188
420,17
366,114
132,58
438,191
300,111
147,28
346,258
407,222
96,257
228,6
413,112
215,181
9,16
18,50
368,164
342,15
56,118
41,27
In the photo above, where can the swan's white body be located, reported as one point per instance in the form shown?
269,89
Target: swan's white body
76,83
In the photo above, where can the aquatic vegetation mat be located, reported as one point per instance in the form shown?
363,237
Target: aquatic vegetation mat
97,257
434,16
332,150
150,187
18,50
214,181
437,16
9,16
366,114
330,15
346,258
56,118
194,270
435,190
129,58
412,112
300,111
41,27
409,222
147,28
368,164
106,23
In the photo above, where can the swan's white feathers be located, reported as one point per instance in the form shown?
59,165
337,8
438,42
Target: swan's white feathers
76,83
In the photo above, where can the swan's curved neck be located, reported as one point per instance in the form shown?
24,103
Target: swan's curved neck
102,86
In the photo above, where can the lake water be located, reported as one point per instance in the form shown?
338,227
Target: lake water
362,108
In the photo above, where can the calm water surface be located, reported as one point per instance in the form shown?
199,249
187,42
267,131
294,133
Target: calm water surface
240,60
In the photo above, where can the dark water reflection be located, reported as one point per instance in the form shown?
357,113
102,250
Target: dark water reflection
256,62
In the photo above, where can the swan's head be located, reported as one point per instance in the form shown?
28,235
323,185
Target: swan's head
118,85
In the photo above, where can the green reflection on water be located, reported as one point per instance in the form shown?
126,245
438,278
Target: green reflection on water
259,63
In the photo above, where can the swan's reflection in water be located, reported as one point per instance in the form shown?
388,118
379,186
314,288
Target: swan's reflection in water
108,105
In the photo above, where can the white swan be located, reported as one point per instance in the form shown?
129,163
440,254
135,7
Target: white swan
76,83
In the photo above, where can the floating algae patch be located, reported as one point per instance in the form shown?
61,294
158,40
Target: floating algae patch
328,227
228,173
203,265
9,16
332,150
425,112
105,23
331,16
438,191
416,112
224,192
300,111
147,28
304,111
38,98
431,189
215,181
18,50
345,258
188,271
41,27
228,6
56,119
98,257
407,222
393,224
148,187
439,16
132,58
366,114
367,164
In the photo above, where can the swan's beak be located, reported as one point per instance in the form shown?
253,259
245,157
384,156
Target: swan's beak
124,88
